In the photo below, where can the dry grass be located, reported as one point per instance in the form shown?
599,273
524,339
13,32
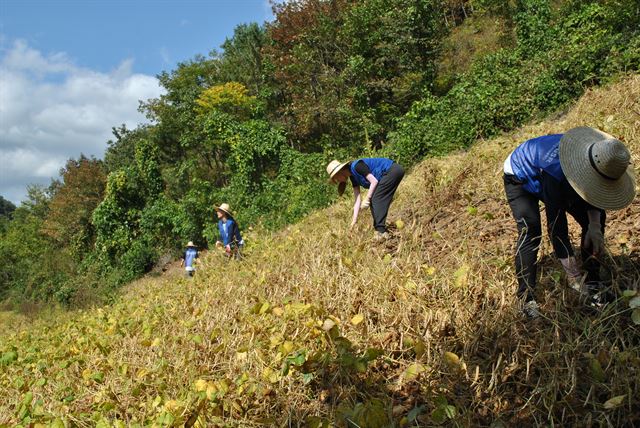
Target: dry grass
437,303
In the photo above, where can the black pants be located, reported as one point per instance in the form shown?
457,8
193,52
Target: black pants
526,211
383,196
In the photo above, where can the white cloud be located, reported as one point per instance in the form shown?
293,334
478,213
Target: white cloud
51,110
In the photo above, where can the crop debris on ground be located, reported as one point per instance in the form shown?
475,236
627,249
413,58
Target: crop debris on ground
320,326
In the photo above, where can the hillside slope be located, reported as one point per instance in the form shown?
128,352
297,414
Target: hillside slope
319,326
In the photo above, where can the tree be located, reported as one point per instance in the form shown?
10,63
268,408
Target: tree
70,210
6,207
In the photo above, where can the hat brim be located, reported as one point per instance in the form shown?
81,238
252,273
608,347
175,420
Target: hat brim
599,191
337,170
224,211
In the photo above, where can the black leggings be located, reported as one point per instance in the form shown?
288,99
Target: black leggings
383,195
526,211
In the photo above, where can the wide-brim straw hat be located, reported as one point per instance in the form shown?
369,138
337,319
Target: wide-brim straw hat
598,167
190,244
334,167
225,208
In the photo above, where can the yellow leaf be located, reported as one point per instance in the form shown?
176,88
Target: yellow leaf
277,311
328,324
461,276
211,391
412,372
264,308
86,374
201,385
357,319
411,285
287,347
400,224
451,359
614,402
429,270
420,348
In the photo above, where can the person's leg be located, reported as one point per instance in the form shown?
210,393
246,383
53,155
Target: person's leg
526,212
590,263
383,196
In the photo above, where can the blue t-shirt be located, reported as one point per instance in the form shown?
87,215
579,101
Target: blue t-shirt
377,166
532,157
229,231
189,256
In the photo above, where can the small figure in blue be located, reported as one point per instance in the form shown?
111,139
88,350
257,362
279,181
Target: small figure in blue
381,176
581,173
189,259
230,236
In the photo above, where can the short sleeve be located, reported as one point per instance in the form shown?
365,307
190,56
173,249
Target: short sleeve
362,169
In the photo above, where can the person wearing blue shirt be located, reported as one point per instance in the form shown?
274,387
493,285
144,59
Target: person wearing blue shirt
583,173
381,176
230,236
189,258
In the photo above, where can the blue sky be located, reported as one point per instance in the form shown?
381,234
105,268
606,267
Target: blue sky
72,69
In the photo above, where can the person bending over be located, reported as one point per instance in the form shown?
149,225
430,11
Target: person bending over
380,175
583,173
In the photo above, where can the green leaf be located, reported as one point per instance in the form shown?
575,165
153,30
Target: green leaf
450,411
28,398
596,369
629,293
8,358
415,412
97,377
635,316
438,415
635,302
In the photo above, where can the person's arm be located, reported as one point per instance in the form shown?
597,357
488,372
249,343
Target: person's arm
372,188
228,226
184,257
555,195
594,238
356,205
363,169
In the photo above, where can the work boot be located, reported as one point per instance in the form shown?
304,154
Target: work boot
381,236
530,309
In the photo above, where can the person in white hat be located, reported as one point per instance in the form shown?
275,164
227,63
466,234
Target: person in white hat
582,172
189,258
381,176
229,230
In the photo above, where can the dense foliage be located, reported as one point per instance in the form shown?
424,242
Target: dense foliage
254,124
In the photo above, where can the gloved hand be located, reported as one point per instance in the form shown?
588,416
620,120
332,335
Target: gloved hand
574,275
594,239
571,267
366,203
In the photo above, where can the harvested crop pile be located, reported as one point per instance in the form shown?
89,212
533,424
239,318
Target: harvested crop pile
320,326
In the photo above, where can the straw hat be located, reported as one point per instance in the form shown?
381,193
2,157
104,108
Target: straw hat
334,167
190,244
598,167
225,208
